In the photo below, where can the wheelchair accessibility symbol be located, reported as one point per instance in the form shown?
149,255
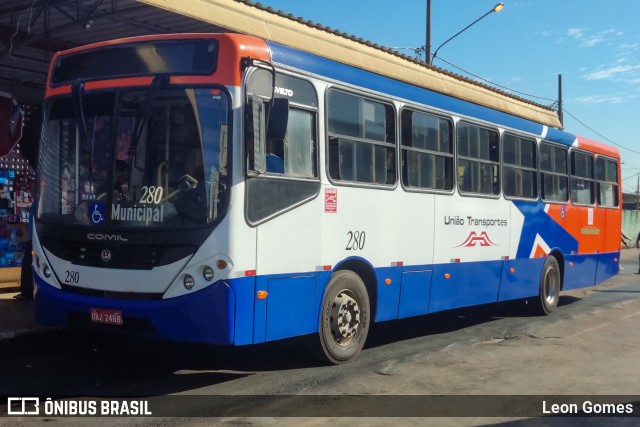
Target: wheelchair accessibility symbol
97,212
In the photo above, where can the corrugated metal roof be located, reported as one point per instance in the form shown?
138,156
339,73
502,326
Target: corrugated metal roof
356,39
31,31
252,18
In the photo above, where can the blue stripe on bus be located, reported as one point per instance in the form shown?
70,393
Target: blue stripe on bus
580,271
538,222
228,312
521,282
351,75
206,316
560,136
471,283
608,266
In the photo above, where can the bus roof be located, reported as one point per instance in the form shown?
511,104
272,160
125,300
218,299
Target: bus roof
254,19
597,147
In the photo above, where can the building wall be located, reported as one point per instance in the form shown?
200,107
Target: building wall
631,224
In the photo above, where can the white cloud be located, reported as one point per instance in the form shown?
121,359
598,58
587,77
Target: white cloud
603,99
627,50
613,73
576,33
590,40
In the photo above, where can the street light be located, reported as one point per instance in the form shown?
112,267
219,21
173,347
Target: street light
497,8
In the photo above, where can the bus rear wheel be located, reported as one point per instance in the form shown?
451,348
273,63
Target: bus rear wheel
550,282
344,322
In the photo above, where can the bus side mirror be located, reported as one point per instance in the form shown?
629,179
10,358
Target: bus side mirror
278,119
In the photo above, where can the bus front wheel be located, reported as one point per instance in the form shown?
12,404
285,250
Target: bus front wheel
344,323
550,282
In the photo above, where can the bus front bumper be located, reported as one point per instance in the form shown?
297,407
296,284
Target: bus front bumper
206,316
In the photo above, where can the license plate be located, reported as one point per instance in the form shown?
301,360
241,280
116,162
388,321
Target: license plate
108,316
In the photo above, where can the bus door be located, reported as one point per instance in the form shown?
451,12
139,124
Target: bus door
282,183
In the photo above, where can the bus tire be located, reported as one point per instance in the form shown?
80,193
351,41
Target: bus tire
550,283
345,318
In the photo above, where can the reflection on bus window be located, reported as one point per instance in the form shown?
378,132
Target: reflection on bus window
478,160
361,139
427,151
147,170
553,168
607,176
299,144
582,182
520,167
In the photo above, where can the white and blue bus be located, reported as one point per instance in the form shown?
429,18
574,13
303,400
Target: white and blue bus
224,189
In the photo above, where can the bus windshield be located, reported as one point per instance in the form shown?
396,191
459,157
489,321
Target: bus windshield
135,158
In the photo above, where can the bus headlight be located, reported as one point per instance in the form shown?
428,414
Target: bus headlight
207,273
46,271
188,282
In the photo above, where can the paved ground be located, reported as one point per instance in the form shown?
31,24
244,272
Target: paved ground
589,347
16,317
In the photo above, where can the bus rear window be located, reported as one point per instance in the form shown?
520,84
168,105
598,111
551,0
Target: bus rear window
187,57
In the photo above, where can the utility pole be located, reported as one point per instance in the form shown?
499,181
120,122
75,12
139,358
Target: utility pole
427,46
560,115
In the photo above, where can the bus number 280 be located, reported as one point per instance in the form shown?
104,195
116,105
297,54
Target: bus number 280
71,276
355,240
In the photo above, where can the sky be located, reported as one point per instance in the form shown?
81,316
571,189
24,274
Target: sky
594,45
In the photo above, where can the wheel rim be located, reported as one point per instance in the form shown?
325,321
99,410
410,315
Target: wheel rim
551,286
345,318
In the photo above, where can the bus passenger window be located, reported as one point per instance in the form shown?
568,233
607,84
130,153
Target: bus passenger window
290,173
361,139
553,170
519,160
478,160
299,145
582,182
607,177
294,156
427,151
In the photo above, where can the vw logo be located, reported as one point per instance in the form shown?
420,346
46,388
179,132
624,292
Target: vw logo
106,255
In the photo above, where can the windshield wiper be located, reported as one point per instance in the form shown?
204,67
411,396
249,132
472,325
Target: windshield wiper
158,81
78,106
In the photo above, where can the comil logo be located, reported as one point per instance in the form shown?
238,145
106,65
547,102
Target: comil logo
23,406
107,237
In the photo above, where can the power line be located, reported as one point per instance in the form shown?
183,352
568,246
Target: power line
554,102
599,134
539,97
496,84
